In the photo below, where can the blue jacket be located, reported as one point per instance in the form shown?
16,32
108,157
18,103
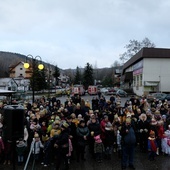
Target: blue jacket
128,138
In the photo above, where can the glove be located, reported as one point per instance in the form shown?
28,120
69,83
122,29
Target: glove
146,130
141,130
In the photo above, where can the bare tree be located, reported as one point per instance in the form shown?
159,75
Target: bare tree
135,46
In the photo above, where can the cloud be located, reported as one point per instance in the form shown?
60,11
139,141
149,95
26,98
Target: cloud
71,33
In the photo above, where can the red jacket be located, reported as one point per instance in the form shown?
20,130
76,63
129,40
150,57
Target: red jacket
160,131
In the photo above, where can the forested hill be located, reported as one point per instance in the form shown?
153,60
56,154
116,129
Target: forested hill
7,59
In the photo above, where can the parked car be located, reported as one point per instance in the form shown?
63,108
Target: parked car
167,97
104,90
111,91
121,93
78,90
59,90
158,96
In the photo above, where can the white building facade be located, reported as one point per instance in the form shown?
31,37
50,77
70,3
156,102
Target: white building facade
150,69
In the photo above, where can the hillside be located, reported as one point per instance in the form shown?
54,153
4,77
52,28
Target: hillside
8,59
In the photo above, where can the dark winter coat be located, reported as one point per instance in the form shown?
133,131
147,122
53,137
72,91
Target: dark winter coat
62,140
81,132
128,135
110,137
98,148
95,127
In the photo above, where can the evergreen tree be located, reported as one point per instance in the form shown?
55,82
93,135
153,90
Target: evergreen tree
109,78
77,78
37,80
56,74
88,76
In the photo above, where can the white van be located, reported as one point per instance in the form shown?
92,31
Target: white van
92,90
78,90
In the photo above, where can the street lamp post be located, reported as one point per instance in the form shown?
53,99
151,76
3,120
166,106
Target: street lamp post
48,80
40,67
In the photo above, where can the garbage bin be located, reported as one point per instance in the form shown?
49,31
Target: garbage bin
13,122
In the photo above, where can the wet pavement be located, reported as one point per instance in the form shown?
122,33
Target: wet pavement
141,162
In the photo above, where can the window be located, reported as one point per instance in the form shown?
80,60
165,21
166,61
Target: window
140,80
134,80
20,68
137,81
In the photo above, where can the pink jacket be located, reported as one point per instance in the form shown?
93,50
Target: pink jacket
70,147
1,145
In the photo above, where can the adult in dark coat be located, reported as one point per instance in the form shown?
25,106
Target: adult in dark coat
143,131
94,128
110,139
82,136
128,144
62,147
72,133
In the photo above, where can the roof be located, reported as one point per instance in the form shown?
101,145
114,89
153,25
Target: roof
13,66
4,81
147,53
6,92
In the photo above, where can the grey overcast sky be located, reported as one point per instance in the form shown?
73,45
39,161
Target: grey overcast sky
70,33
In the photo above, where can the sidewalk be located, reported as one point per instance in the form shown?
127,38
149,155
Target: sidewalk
140,162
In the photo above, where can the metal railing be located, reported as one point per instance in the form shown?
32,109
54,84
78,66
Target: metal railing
29,155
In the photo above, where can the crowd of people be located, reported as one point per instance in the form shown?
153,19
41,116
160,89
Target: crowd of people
57,133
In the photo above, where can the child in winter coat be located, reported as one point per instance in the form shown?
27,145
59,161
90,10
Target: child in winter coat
152,145
7,152
118,141
20,149
98,148
1,148
36,146
46,150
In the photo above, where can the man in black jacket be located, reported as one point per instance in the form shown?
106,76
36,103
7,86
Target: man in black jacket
62,146
128,144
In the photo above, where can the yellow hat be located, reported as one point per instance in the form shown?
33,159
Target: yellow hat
128,120
65,125
36,135
45,138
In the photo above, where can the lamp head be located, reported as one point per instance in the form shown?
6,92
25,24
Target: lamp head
26,65
40,66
